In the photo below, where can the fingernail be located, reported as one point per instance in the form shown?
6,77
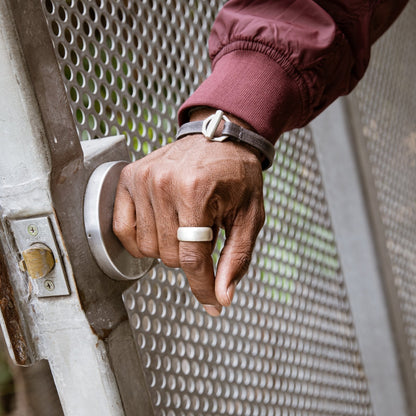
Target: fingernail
213,310
231,291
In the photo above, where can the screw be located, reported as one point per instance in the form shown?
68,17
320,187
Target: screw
33,230
49,285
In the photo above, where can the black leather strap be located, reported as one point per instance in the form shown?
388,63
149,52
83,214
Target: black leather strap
235,133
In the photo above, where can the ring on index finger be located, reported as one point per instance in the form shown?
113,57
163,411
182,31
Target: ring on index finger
195,234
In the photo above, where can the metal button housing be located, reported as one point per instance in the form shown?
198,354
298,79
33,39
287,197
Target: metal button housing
112,258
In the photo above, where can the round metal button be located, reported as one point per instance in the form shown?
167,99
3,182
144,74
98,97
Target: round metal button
112,258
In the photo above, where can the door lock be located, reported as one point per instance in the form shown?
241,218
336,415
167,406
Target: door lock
41,257
38,260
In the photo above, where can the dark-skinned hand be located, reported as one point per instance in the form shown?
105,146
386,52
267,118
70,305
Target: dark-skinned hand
194,182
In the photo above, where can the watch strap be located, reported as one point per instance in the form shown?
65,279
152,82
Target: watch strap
231,131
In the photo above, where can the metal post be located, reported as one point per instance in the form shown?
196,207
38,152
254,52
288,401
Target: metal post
56,327
358,258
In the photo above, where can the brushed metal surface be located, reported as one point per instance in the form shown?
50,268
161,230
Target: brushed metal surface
113,259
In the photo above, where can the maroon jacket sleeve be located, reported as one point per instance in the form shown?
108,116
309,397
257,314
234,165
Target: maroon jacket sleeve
276,64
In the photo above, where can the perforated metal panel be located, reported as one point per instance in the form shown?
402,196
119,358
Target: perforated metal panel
129,64
387,107
287,344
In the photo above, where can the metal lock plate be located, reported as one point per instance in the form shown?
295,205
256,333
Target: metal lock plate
31,232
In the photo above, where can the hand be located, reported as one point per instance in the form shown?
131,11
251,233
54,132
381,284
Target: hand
194,182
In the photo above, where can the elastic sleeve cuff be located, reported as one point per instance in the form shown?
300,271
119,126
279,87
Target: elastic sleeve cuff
254,88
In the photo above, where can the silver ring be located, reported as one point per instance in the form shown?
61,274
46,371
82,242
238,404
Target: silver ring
195,234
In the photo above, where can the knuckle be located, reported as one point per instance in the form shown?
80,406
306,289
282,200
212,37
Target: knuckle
243,261
148,249
120,228
126,174
191,184
192,261
161,183
173,264
170,260
136,171
162,179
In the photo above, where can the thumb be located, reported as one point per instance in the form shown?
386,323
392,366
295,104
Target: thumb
236,255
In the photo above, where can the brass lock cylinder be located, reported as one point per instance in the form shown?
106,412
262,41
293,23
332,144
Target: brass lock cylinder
38,260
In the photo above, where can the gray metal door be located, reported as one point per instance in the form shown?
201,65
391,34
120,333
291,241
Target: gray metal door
287,346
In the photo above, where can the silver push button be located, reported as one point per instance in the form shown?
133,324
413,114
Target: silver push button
112,258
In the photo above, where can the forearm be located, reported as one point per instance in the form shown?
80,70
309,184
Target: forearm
278,64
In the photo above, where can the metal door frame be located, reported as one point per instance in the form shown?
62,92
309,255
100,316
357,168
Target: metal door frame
73,332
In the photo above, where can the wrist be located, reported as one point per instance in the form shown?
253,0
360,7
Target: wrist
201,113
